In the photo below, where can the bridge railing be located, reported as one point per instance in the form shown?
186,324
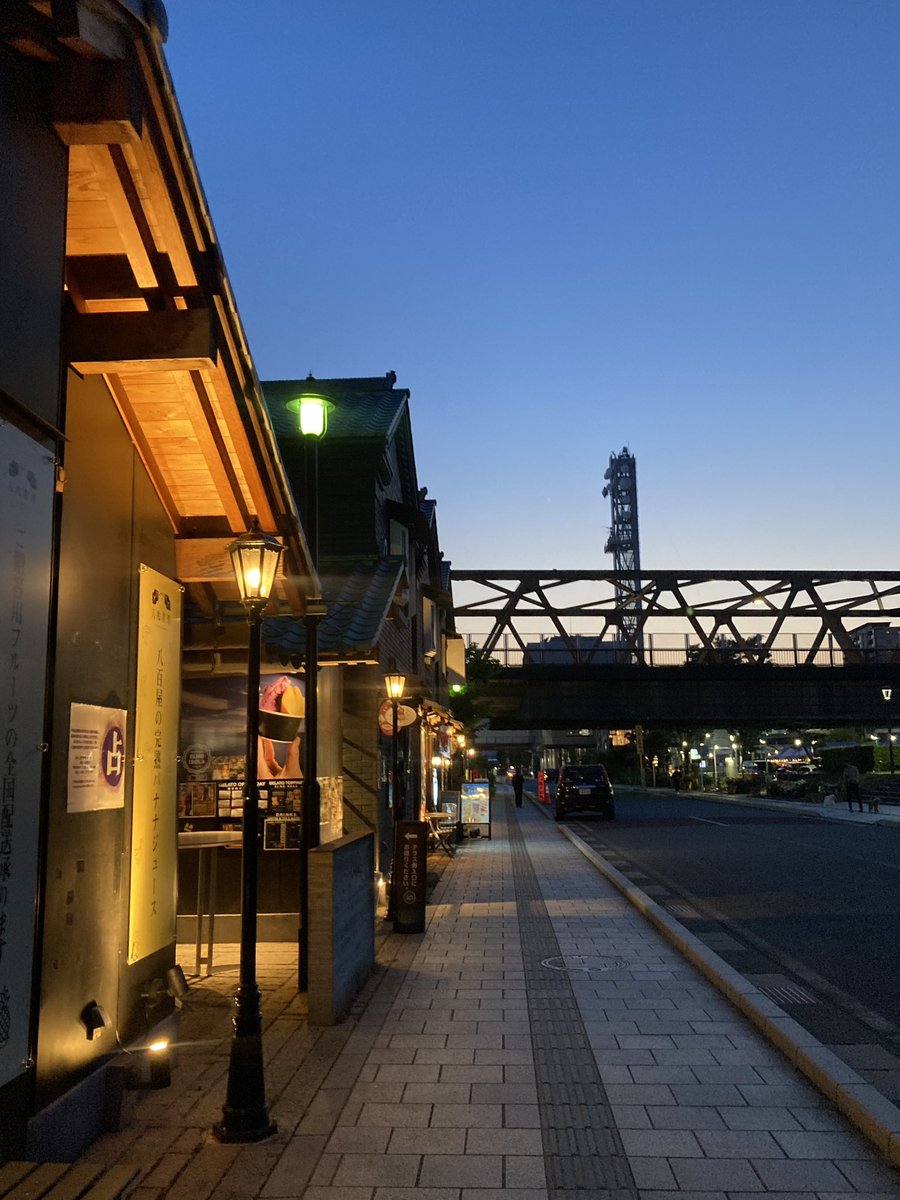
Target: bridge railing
797,651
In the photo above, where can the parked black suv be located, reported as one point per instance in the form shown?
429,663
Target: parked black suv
584,789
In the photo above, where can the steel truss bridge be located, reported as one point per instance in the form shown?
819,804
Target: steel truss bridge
601,648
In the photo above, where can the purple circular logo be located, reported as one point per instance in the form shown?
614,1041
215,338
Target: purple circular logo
112,759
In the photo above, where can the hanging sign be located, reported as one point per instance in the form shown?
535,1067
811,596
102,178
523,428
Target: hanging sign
405,716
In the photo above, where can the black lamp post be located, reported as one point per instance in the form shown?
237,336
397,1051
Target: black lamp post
887,693
394,684
313,414
245,1114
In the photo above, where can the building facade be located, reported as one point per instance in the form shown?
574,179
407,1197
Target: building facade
134,446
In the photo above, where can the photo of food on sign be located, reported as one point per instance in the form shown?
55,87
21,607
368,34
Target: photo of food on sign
282,707
214,717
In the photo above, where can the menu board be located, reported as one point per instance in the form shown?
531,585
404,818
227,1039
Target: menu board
475,804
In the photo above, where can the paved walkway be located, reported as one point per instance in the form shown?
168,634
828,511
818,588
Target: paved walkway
887,814
540,1040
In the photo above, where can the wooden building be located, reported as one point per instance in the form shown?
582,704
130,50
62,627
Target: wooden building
134,446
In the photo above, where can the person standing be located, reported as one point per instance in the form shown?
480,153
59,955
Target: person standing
851,786
518,783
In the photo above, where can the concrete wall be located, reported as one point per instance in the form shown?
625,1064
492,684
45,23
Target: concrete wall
342,925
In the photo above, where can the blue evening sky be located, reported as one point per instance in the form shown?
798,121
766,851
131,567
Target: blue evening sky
574,225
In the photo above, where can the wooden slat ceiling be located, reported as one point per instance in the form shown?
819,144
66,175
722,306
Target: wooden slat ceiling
149,309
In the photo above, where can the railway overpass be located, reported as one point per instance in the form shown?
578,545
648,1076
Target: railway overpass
601,650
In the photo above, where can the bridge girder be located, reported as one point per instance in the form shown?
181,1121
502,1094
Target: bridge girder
621,697
753,610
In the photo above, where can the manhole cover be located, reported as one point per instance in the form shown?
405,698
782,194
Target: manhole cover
583,962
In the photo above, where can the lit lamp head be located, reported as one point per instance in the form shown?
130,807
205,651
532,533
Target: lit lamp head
254,558
436,760
313,412
394,684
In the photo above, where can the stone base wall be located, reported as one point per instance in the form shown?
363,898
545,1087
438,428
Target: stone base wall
341,925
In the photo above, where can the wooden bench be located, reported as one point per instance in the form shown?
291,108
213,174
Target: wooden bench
63,1181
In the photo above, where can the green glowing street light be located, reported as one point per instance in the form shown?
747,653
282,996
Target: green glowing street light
312,411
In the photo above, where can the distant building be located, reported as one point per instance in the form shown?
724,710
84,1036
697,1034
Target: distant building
577,648
877,641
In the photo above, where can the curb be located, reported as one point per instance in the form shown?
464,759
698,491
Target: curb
872,1114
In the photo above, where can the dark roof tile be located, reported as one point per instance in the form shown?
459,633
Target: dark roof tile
363,408
358,599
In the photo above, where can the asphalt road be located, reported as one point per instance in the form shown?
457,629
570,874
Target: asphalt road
808,909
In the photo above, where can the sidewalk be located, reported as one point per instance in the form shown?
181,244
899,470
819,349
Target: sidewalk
541,1039
889,814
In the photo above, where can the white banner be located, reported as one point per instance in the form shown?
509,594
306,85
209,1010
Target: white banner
154,832
27,481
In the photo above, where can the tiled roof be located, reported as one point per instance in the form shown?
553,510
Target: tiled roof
363,408
358,599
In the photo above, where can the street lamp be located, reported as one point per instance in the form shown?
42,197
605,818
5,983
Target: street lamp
887,693
245,1114
394,684
312,412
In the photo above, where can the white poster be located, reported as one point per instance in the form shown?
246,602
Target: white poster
154,831
27,482
96,775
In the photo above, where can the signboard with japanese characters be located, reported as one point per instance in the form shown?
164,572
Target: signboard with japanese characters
410,871
96,774
154,832
27,482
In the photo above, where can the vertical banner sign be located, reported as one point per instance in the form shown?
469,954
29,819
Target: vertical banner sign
27,482
409,872
154,838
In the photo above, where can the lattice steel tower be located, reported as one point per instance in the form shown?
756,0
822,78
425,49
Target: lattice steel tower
623,542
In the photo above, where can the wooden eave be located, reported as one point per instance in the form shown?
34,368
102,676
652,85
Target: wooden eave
149,309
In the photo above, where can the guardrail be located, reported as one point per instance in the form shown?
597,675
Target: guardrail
797,653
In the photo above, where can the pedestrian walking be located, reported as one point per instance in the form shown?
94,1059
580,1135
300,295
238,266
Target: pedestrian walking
851,786
676,780
518,783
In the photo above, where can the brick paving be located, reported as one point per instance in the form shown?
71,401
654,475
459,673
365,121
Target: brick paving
540,1040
